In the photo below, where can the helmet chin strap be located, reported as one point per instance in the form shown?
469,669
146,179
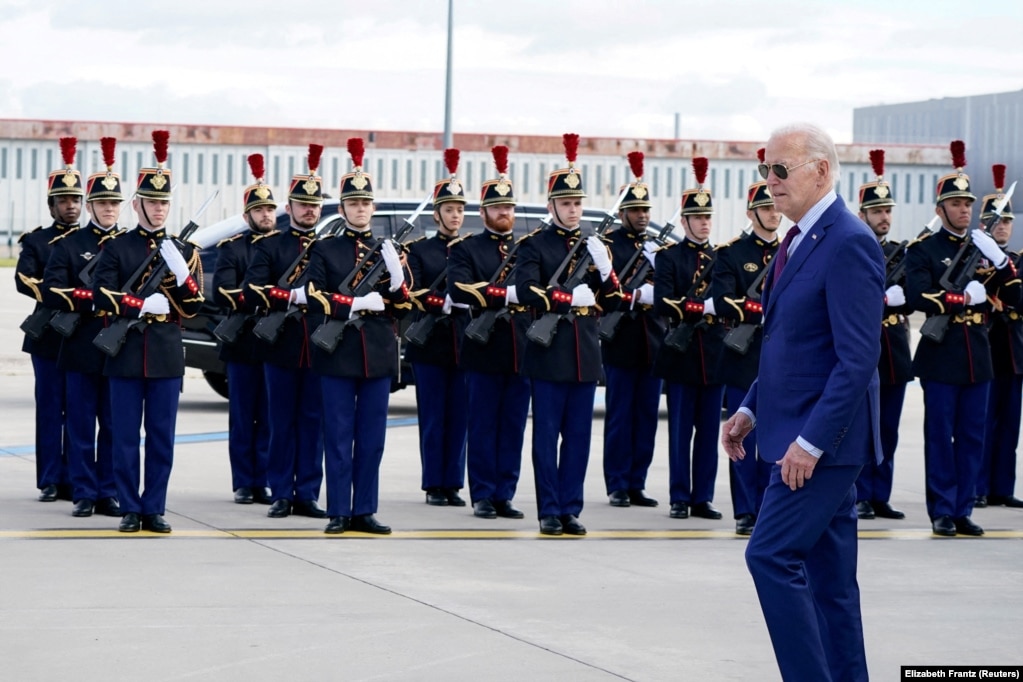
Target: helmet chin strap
149,222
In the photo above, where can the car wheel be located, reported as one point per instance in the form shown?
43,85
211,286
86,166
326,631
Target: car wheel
217,381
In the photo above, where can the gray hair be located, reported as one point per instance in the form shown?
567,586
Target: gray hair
819,144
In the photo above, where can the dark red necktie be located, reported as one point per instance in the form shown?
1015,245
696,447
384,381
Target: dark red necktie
783,251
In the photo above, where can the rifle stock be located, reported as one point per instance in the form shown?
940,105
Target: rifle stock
681,335
608,324
230,327
35,324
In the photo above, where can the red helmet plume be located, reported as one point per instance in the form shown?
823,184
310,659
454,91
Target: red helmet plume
877,161
700,165
636,164
500,153
998,171
761,154
256,166
571,142
160,140
357,150
958,149
108,145
451,157
67,150
315,151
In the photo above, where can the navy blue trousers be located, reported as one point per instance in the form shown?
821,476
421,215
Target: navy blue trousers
748,477
354,428
875,481
295,466
693,409
90,454
51,446
441,403
565,410
954,424
632,398
248,425
802,557
998,469
498,409
153,405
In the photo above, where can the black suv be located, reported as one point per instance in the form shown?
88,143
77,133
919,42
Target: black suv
202,348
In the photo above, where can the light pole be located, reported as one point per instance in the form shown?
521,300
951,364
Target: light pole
448,141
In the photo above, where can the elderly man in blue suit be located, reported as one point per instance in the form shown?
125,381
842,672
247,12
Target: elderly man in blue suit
815,403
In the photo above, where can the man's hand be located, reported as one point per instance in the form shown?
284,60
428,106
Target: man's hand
733,433
796,466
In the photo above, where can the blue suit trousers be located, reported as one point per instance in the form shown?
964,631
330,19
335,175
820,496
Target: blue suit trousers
51,444
561,409
954,424
998,469
632,398
90,454
248,426
441,402
295,467
498,409
693,409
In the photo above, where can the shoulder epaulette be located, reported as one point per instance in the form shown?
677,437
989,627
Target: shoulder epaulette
418,239
529,234
27,233
731,241
112,234
274,233
920,239
230,239
62,235
459,240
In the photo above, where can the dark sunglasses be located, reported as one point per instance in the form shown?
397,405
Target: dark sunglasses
780,171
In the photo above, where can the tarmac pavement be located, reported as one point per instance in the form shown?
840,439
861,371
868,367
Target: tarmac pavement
234,595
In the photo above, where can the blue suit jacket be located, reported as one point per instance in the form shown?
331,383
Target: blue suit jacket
818,363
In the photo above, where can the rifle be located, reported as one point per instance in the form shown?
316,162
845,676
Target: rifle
679,338
111,339
895,263
37,321
482,326
740,338
608,324
419,331
961,270
542,331
328,335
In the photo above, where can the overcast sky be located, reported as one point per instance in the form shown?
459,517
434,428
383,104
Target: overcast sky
734,70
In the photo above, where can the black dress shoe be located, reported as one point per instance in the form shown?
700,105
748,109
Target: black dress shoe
308,508
619,498
965,526
337,525
980,501
155,523
262,496
454,499
883,510
550,525
864,510
244,496
48,493
130,523
435,497
679,510
367,523
744,524
1005,501
279,509
484,509
943,526
506,510
639,499
705,510
83,508
108,506
570,525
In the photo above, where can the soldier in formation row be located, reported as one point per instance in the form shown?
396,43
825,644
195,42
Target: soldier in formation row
497,324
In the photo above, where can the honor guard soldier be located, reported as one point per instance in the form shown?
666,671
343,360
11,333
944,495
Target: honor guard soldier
479,275
564,372
738,282
356,375
440,383
954,366
248,419
271,287
146,373
67,287
64,197
895,368
689,356
997,480
632,392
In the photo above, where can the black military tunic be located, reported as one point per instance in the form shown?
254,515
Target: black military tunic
896,363
640,333
233,257
427,259
36,247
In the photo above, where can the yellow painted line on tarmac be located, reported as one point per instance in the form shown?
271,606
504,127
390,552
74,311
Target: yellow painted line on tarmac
465,534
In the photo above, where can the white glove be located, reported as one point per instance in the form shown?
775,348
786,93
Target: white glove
600,256
511,295
155,304
708,307
644,294
174,260
298,296
393,264
446,308
650,251
371,301
582,297
976,292
989,247
895,296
